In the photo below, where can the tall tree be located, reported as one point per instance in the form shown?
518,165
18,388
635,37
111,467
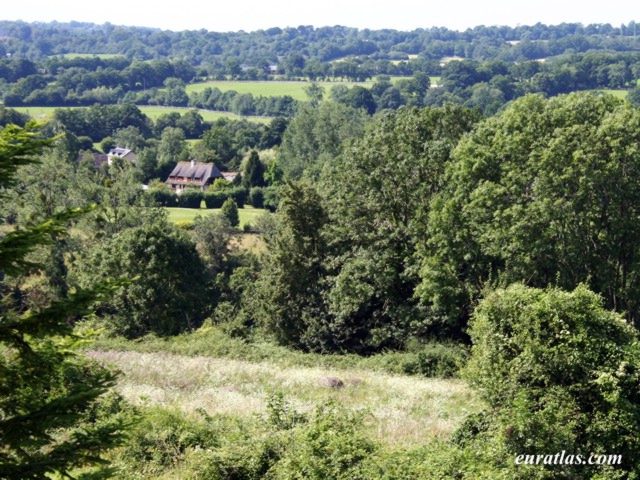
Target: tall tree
53,414
378,195
546,193
289,290
171,293
315,135
171,149
252,171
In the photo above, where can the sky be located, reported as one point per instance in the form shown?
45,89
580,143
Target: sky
251,15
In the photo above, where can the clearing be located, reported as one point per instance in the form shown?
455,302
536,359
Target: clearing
275,88
247,214
153,112
402,410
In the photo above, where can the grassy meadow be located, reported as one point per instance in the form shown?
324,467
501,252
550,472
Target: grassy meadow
403,410
153,112
104,56
247,214
275,88
621,94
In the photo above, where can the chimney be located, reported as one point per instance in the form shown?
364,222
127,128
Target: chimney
193,163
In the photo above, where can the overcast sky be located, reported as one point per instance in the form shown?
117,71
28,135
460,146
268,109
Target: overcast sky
255,14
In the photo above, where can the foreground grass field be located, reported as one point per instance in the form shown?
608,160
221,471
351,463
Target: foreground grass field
402,410
153,112
248,214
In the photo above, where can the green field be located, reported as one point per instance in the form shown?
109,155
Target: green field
153,112
622,94
274,88
104,56
248,215
39,113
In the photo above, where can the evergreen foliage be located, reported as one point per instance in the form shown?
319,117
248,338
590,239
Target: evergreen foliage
54,415
230,212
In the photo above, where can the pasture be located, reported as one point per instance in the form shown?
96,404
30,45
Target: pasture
247,214
153,112
275,88
103,56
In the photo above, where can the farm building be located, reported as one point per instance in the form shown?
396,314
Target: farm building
192,174
124,153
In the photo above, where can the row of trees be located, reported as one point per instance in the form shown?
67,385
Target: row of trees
411,224
292,48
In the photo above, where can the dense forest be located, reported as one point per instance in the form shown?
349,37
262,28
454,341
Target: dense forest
399,281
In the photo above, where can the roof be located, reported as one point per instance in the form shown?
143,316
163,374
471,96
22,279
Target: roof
193,173
99,159
119,152
229,176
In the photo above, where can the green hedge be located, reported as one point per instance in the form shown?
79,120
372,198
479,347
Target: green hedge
190,199
163,198
215,199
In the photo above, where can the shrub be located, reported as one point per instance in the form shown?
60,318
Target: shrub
332,445
239,195
271,198
190,198
214,199
162,197
162,439
220,184
443,360
559,373
230,212
256,197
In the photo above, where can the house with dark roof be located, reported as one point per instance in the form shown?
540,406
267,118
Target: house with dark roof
99,159
123,153
192,174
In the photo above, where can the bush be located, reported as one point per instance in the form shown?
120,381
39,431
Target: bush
163,197
230,212
169,290
164,438
190,198
214,199
443,360
332,445
256,197
271,198
239,195
559,373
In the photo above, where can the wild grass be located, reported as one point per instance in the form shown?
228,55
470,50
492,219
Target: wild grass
404,411
213,341
621,94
